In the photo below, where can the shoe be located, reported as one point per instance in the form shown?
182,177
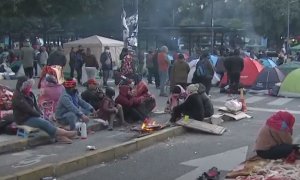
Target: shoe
110,128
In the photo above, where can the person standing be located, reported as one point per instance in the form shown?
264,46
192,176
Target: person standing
163,66
204,72
234,65
27,56
91,64
57,58
106,62
150,66
179,72
72,61
155,69
43,57
79,63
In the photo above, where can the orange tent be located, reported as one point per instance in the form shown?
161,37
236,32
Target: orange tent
249,74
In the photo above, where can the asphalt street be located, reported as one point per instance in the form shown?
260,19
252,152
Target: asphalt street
188,156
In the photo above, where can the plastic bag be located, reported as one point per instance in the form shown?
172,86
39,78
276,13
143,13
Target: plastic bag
21,71
84,77
233,105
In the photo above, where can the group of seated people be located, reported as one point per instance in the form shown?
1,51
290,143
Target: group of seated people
62,103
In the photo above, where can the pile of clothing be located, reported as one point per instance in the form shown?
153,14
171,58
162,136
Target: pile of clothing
6,121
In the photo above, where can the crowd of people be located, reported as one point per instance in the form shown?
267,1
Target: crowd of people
60,107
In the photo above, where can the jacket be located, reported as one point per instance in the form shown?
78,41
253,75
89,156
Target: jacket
50,92
234,64
92,98
124,98
269,137
72,58
208,67
220,65
57,58
27,56
163,63
24,107
179,72
65,104
91,61
43,57
106,108
106,57
197,106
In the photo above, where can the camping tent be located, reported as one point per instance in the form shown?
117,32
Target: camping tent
266,62
97,44
289,67
295,48
267,78
290,87
249,74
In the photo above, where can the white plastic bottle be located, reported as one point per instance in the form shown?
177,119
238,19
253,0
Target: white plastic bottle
83,131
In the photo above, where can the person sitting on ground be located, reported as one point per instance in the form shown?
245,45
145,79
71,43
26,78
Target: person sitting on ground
178,95
46,70
129,104
71,108
90,95
142,95
275,140
197,105
26,112
50,92
108,109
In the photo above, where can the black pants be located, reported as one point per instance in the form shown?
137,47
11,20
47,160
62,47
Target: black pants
132,114
28,72
151,74
105,77
72,69
156,76
79,74
278,152
35,66
234,81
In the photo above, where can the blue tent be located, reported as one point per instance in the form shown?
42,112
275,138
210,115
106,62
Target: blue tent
213,59
267,78
268,63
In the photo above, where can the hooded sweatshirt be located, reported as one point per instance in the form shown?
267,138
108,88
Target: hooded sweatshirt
124,98
24,107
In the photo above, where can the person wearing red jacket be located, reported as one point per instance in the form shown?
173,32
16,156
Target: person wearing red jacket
129,104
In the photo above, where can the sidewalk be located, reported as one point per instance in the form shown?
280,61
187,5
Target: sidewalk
58,159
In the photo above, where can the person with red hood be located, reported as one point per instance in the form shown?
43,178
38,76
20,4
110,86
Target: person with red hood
142,95
275,140
129,104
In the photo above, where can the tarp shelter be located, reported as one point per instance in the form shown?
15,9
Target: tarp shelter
290,86
249,74
289,67
267,78
97,44
268,63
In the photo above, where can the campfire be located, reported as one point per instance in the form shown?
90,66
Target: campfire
148,126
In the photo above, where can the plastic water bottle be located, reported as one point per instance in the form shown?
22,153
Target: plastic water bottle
83,131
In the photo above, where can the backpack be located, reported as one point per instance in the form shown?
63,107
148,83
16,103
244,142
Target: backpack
201,70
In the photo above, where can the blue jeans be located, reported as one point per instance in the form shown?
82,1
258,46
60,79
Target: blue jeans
38,122
163,77
71,118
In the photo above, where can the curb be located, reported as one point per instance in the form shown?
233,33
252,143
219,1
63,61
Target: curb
40,139
92,158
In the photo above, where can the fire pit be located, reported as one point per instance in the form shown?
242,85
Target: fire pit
148,126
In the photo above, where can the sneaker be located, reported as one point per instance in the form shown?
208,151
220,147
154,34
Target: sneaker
110,128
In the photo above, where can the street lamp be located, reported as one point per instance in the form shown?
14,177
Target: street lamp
288,23
212,26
